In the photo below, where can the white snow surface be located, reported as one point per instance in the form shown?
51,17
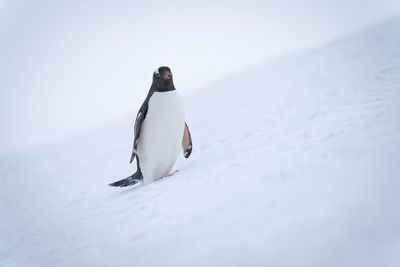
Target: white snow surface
295,163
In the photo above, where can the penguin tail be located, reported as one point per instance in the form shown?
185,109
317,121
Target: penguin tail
131,180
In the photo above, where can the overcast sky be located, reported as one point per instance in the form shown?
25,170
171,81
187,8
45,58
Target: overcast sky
67,66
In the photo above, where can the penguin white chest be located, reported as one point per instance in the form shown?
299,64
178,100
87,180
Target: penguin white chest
161,135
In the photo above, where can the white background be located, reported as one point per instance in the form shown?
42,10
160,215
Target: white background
68,66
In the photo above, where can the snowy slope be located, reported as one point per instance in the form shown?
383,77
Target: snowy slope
295,163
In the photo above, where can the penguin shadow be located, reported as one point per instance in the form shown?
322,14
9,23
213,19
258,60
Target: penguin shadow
125,190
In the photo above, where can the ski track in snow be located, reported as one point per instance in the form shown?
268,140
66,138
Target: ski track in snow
295,163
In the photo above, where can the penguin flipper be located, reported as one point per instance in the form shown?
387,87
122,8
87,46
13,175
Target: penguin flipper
138,126
187,142
131,180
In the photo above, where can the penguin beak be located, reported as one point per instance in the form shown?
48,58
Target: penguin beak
166,76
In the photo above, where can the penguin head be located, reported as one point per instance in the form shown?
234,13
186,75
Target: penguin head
162,79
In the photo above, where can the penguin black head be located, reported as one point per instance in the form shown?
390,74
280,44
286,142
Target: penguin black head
162,79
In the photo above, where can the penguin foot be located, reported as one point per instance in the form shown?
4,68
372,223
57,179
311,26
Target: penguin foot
172,173
131,180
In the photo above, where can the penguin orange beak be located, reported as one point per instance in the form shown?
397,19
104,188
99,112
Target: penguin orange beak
165,76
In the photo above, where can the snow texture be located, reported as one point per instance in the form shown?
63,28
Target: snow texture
295,163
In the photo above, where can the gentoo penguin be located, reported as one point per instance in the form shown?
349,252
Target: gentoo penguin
160,132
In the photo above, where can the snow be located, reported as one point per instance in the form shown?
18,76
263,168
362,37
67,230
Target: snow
295,163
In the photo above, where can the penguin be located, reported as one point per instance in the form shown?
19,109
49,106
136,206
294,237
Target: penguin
160,132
